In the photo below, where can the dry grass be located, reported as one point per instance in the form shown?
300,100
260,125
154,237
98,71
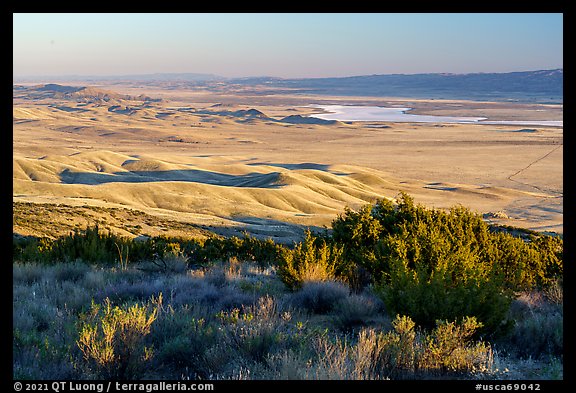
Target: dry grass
538,332
320,297
221,324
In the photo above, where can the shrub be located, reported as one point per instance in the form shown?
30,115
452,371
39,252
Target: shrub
287,365
539,335
28,273
94,279
355,310
216,277
183,342
309,261
359,233
177,352
406,352
256,331
247,248
31,249
70,272
124,290
378,355
449,348
433,264
201,291
538,327
378,233
69,296
112,340
445,293
177,264
319,297
91,246
232,298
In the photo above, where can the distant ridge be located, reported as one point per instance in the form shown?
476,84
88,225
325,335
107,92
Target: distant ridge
525,86
541,86
185,77
54,88
75,93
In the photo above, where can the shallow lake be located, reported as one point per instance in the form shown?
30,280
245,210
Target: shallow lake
397,115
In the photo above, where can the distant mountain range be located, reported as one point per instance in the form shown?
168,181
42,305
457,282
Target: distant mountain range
527,86
543,86
74,93
180,77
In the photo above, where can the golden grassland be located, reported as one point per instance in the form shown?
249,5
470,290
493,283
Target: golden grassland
193,158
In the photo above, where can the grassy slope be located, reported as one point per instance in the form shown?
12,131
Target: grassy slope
54,220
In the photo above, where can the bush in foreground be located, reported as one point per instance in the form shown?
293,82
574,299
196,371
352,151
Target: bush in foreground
311,260
112,340
432,264
407,353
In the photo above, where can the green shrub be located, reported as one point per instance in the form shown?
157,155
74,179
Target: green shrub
309,261
449,348
95,246
183,342
359,233
91,246
31,249
247,248
375,235
177,352
111,340
445,293
433,264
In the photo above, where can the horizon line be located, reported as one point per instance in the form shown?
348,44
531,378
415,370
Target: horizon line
216,76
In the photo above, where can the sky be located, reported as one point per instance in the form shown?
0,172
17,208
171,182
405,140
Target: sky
287,45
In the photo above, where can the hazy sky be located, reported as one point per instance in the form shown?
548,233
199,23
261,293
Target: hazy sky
285,45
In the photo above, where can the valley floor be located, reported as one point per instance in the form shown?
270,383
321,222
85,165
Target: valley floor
228,162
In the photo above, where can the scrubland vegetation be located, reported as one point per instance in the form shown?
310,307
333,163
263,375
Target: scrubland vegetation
393,291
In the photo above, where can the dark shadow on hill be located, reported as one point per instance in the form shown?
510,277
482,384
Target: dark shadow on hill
298,119
253,180
68,108
242,113
121,110
303,165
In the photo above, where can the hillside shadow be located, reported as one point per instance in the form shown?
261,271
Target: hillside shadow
69,109
303,165
253,180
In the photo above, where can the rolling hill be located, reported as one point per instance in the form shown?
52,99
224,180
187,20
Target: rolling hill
86,94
